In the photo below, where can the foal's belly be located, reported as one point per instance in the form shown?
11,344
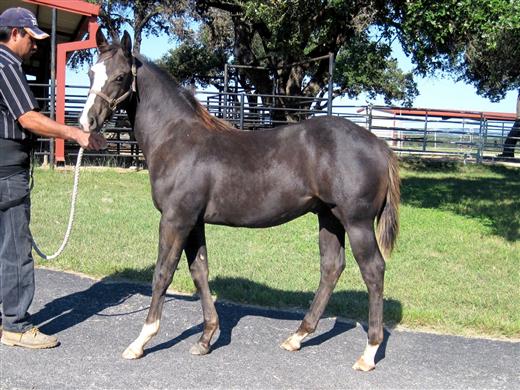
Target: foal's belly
257,211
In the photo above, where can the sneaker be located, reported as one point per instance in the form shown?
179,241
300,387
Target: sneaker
32,338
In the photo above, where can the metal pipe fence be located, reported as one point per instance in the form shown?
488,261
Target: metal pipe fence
467,137
470,138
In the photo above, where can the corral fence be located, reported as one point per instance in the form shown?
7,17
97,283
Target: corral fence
469,136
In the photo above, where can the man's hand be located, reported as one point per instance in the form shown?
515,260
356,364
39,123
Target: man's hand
91,141
40,124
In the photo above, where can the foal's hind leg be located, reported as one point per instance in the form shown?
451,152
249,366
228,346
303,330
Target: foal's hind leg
197,257
372,265
332,251
171,242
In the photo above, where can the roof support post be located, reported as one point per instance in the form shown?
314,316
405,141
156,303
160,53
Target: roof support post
53,82
63,49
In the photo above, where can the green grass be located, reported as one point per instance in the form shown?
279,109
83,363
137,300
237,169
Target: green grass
455,269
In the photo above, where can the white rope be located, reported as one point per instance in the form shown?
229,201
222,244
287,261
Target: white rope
71,215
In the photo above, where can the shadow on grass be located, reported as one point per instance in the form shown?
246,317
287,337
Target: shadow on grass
70,310
494,201
429,165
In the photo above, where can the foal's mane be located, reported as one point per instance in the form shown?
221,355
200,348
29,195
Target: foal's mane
209,121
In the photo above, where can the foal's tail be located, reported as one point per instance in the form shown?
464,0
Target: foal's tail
388,218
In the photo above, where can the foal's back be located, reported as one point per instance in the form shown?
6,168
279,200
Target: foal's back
265,178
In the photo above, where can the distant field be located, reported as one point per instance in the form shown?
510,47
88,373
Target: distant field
456,266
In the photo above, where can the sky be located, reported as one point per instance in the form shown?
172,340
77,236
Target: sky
434,92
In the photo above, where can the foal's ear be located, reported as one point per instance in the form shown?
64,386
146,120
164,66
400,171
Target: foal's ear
101,41
126,44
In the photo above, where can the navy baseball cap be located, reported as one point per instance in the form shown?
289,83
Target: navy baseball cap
22,18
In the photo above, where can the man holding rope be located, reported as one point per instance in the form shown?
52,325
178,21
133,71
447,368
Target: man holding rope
20,122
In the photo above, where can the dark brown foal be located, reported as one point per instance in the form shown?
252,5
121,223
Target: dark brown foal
202,171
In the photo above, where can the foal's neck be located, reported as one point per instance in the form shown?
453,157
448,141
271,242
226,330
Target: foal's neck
159,91
159,104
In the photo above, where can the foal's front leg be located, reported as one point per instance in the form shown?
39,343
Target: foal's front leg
171,242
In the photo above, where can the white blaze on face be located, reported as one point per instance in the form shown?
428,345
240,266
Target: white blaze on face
100,77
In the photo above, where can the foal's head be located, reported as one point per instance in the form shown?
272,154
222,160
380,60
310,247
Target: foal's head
112,80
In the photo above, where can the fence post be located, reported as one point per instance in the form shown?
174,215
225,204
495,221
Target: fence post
331,72
502,140
480,143
370,117
425,136
242,111
224,115
484,143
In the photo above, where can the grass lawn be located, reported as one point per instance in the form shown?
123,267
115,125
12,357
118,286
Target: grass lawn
456,267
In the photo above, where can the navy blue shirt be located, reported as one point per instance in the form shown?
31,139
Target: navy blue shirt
16,98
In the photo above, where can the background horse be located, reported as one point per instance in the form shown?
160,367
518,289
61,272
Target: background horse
202,170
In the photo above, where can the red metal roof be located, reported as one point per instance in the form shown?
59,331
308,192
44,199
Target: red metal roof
75,6
449,113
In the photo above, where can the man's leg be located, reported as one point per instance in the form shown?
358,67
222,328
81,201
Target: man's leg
17,267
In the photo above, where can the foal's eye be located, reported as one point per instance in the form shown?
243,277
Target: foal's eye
119,78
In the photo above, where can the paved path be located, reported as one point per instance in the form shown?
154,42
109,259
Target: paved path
96,320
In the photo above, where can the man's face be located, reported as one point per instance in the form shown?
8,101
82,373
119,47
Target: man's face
25,46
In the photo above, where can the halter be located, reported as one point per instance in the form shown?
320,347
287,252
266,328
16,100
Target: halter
113,103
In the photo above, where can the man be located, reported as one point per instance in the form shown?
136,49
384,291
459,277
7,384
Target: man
20,122
514,134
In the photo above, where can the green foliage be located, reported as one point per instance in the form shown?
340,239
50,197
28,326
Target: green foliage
474,40
374,72
151,17
191,62
277,34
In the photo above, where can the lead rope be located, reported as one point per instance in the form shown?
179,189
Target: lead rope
113,105
71,214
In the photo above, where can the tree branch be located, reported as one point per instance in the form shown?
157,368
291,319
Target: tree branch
224,6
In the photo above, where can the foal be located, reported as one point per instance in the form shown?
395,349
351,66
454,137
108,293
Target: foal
204,171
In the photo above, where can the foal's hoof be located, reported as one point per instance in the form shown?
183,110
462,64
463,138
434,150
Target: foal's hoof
130,354
361,365
199,349
291,344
